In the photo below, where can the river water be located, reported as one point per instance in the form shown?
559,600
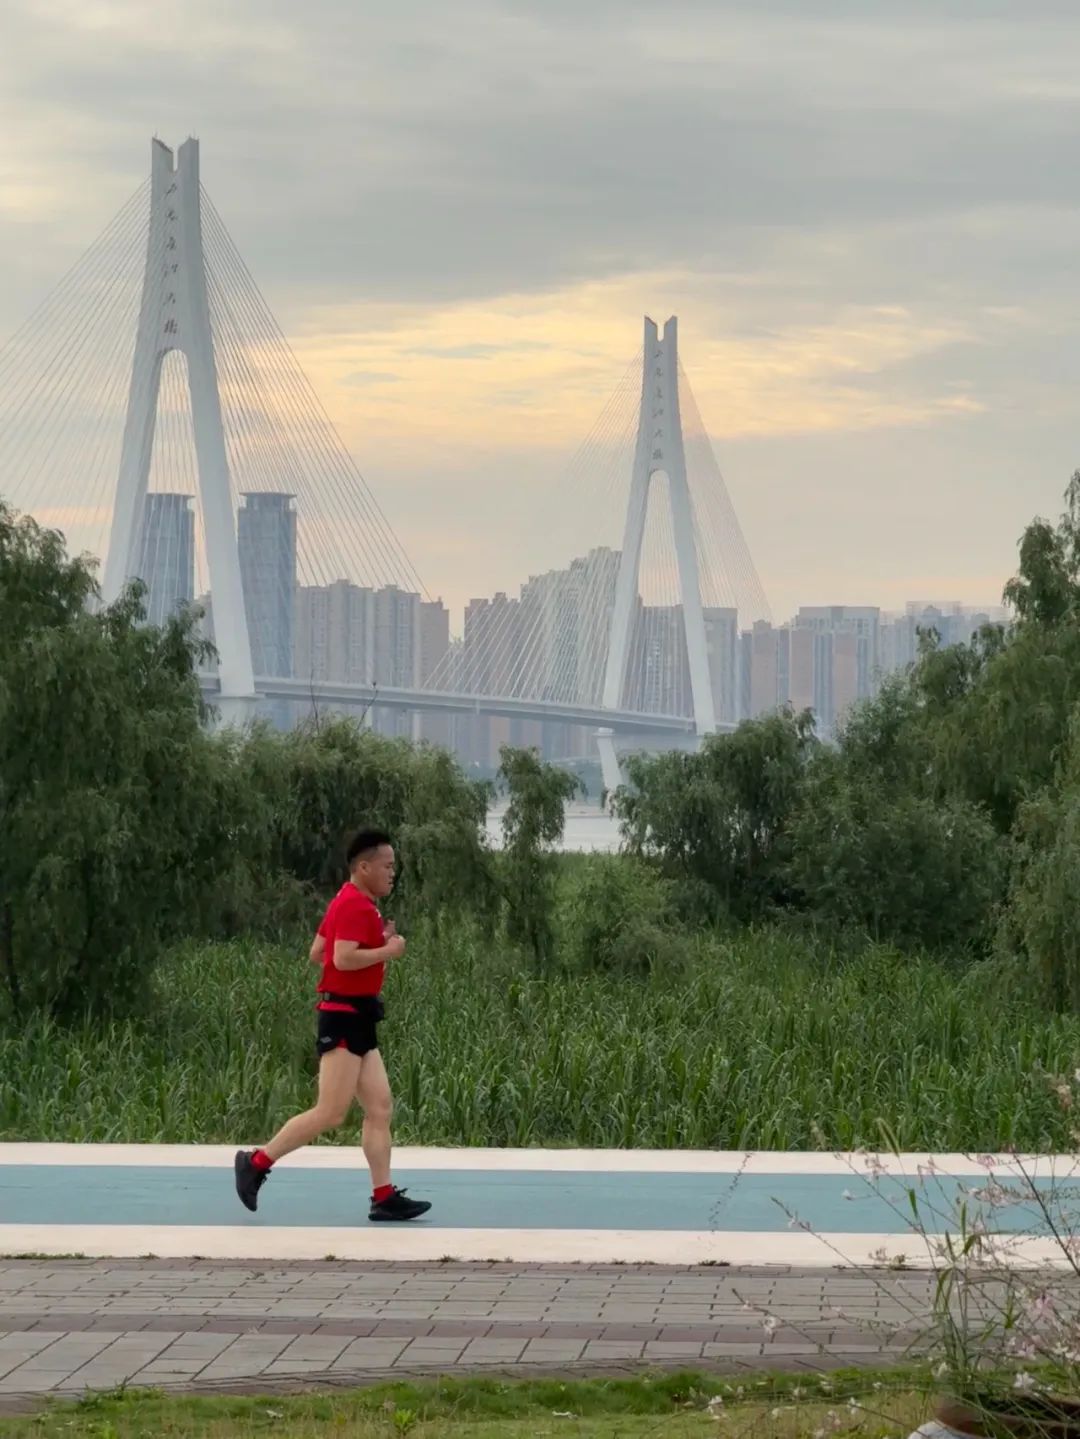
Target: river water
588,829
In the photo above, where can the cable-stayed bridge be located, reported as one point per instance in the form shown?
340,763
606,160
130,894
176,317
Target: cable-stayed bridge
154,412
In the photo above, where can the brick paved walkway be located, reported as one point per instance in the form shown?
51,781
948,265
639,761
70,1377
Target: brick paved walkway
67,1327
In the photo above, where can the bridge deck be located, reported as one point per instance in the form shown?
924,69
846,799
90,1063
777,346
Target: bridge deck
334,692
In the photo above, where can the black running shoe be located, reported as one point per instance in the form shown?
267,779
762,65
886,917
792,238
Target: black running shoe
249,1180
398,1207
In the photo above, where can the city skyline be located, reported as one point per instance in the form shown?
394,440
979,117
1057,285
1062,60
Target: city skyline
885,369
548,641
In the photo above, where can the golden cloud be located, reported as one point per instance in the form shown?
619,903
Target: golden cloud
536,370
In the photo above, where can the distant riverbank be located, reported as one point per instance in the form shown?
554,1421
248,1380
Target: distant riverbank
589,829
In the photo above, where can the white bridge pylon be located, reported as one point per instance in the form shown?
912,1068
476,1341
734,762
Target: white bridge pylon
175,315
659,451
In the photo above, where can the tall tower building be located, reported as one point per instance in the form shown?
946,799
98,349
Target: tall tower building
267,545
722,642
436,729
166,562
397,652
763,685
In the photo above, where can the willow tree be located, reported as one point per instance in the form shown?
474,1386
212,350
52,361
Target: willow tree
114,810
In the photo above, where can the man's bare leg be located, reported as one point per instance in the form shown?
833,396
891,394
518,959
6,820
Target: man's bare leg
373,1094
338,1078
339,1075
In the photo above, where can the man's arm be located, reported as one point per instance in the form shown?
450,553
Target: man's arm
349,955
318,949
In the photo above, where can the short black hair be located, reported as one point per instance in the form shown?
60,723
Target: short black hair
365,842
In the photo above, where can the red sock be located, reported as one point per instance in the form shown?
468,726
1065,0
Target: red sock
262,1160
384,1191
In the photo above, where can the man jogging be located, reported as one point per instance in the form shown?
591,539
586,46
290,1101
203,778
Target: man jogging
353,947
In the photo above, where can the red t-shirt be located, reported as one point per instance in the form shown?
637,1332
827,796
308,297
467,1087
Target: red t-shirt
353,917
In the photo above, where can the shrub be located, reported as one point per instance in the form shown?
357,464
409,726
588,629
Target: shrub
896,865
617,913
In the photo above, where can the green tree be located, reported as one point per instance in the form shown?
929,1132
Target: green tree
995,713
1046,590
104,769
318,783
718,821
532,827
919,872
1043,920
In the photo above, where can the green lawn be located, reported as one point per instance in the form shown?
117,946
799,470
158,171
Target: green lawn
668,1407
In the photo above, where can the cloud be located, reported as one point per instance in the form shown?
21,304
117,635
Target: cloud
864,212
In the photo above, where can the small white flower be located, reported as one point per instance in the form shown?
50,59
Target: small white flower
1024,1382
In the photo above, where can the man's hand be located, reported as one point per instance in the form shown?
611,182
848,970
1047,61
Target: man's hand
389,929
395,946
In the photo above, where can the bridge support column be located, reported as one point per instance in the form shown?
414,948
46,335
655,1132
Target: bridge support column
659,450
175,315
610,769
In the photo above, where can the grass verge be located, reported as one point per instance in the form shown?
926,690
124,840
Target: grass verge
667,1406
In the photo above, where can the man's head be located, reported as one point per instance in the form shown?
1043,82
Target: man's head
371,862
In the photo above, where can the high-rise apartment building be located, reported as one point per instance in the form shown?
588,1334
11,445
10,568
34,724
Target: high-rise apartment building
388,638
266,537
760,692
831,657
854,659
434,646
397,654
490,652
166,562
804,688
953,623
722,644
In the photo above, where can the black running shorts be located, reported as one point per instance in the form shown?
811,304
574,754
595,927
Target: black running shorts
352,1024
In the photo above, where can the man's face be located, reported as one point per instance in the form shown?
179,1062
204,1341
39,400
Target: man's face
377,871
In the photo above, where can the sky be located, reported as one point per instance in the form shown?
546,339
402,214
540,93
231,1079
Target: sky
865,215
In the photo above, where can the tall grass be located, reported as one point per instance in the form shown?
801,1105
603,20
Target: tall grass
762,1042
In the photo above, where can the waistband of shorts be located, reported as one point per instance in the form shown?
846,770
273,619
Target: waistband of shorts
366,1004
